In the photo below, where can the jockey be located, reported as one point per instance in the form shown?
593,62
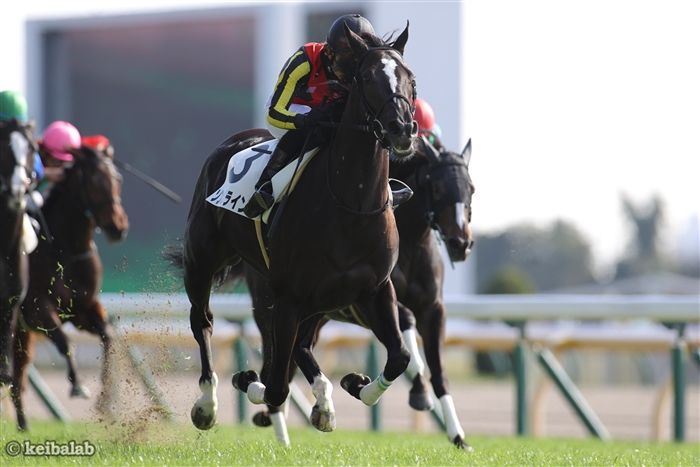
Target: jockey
59,137
13,106
303,97
427,128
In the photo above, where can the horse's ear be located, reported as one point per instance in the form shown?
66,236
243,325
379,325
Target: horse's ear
357,44
400,42
467,152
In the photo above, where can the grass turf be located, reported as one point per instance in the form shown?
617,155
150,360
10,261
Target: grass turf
154,443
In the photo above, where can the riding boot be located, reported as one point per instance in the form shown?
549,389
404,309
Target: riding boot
262,199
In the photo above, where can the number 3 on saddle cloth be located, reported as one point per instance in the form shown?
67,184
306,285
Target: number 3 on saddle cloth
244,169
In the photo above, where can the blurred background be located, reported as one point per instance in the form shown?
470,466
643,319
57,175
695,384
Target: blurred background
583,116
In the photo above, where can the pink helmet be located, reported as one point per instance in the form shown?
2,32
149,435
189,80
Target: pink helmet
58,138
424,115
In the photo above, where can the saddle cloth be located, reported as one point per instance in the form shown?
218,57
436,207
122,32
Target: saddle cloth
29,238
244,169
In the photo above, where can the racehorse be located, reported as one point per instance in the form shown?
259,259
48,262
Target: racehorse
335,243
442,194
66,271
17,149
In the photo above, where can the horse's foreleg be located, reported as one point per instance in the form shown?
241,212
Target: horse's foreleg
285,326
323,411
8,320
60,340
97,323
382,314
418,399
23,352
432,329
198,286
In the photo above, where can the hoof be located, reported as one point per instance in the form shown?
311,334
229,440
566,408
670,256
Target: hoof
80,391
322,421
262,419
460,443
354,382
242,379
420,401
201,419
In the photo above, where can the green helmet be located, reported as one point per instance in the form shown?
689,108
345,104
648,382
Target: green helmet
12,105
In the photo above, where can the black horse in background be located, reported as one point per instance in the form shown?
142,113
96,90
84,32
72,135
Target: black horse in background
17,149
441,202
335,244
66,271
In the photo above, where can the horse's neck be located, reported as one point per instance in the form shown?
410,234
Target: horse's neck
10,229
358,169
411,217
69,224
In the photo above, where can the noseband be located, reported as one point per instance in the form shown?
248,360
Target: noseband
374,125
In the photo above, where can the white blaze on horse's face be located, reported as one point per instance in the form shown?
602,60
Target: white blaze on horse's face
460,217
20,147
390,71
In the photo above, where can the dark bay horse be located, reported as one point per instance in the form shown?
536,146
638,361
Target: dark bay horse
66,271
335,244
441,202
16,166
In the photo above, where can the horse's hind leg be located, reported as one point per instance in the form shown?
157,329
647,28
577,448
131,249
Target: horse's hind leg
431,325
381,311
23,352
201,261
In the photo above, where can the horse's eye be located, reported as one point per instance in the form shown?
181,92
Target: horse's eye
367,77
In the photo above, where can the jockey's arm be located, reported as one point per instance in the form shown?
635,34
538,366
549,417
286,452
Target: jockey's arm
295,70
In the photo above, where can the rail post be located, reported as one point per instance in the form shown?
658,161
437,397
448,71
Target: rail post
678,367
373,371
240,357
519,357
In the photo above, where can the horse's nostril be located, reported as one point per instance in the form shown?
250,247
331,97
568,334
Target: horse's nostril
395,128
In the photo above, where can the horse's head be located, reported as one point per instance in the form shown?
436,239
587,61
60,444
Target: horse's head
16,162
387,89
98,185
450,197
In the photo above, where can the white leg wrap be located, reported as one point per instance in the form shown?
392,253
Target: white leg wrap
451,422
280,425
208,401
323,390
371,393
256,393
416,366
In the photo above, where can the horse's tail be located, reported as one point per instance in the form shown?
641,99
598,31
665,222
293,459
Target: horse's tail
174,255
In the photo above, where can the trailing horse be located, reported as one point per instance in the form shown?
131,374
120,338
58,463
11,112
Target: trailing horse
16,166
66,271
335,243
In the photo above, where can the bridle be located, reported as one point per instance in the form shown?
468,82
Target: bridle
373,126
427,176
373,123
90,207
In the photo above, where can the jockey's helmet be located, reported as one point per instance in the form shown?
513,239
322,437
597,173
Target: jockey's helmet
13,105
343,63
424,115
58,138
